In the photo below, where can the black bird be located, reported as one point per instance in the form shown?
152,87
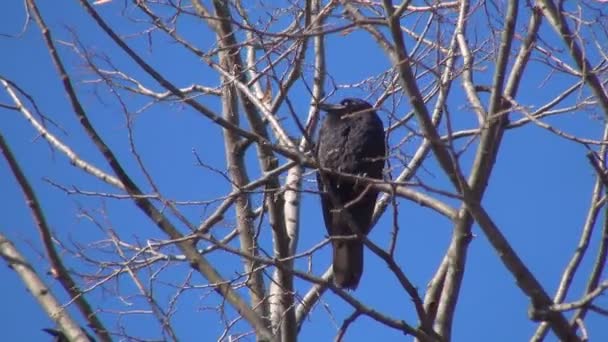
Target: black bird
59,336
351,140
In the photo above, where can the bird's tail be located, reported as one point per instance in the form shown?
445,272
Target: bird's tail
348,263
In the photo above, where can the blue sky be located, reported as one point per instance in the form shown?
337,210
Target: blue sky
539,193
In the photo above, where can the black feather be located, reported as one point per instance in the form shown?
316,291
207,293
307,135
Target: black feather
59,336
351,140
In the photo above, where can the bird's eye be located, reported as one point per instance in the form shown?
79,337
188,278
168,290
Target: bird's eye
346,102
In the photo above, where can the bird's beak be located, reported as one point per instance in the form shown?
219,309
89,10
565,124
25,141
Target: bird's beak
330,107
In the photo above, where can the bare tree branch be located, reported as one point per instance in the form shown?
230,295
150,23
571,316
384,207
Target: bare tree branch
155,85
28,274
42,293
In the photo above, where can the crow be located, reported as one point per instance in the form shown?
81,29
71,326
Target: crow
59,336
351,140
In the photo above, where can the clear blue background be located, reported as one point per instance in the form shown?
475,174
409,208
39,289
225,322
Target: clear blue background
538,195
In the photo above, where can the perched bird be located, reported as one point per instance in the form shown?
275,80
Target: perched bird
351,140
59,336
